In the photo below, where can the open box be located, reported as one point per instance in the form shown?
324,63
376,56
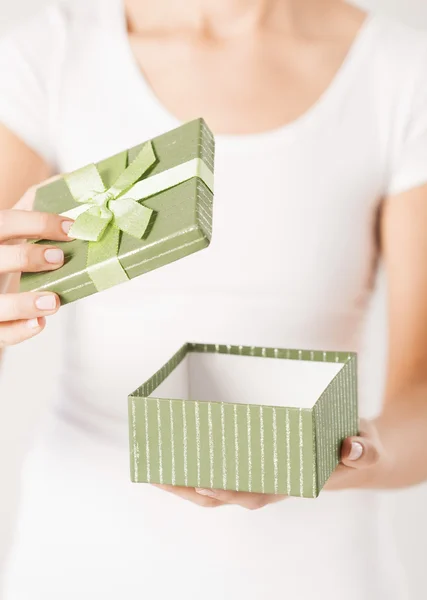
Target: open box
244,418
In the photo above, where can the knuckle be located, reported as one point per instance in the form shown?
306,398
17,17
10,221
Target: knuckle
44,222
24,256
15,309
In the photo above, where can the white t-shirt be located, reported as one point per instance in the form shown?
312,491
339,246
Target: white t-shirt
295,272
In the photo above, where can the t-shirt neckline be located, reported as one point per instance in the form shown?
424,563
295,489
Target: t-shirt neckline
280,134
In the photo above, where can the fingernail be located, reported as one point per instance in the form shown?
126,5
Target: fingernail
47,302
203,492
33,324
356,451
66,226
54,256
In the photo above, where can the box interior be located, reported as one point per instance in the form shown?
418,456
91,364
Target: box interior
248,380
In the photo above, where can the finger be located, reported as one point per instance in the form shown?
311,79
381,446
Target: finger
29,258
244,499
19,331
34,225
359,452
191,495
15,307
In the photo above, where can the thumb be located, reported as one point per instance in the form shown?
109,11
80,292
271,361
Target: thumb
359,452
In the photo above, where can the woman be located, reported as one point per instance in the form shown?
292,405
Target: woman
321,118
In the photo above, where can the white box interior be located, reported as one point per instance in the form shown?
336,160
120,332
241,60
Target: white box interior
248,380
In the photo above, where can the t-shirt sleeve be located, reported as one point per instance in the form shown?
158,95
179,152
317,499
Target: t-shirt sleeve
409,166
30,62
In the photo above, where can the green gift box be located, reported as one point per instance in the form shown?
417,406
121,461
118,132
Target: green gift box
134,212
243,418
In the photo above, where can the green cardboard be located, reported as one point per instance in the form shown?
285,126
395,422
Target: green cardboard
243,447
182,222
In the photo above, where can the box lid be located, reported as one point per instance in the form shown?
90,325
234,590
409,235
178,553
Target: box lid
181,221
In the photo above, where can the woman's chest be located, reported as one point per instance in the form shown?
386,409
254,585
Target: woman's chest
258,84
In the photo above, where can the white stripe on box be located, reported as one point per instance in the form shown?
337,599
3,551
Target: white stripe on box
159,442
224,456
248,420
275,457
172,426
211,445
301,454
147,442
261,436
288,454
197,418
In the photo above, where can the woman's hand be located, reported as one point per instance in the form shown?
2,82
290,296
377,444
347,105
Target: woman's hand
359,455
22,316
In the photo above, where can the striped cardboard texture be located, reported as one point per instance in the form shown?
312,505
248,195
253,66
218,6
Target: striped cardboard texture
243,447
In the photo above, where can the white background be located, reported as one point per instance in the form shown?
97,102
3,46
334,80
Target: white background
26,385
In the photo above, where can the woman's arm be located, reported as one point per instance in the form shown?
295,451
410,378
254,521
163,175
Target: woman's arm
402,427
20,168
398,436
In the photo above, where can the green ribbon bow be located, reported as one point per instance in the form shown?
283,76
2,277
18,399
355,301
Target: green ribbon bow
104,213
110,206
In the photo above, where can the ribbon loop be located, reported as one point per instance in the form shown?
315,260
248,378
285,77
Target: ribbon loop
85,183
92,224
131,217
137,168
